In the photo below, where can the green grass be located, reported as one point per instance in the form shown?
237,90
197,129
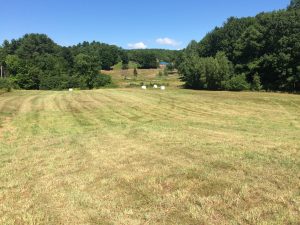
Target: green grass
125,78
2,91
131,65
127,156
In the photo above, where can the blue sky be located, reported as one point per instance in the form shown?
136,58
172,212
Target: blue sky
170,24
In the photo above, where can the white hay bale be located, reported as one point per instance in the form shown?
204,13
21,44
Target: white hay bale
144,87
70,89
162,88
155,86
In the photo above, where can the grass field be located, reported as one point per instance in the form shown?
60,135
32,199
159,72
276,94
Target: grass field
126,78
127,156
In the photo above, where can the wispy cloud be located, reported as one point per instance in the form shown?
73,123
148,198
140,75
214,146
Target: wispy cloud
167,41
139,45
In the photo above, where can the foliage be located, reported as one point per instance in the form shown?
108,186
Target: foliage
160,54
153,56
101,80
125,66
36,62
170,67
106,55
205,72
145,59
6,84
267,45
237,83
125,60
295,4
256,84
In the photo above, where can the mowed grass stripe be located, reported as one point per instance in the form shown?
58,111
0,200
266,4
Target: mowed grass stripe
126,156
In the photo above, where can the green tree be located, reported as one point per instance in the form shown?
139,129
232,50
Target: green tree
86,69
148,61
6,84
30,79
295,4
101,80
238,83
125,60
256,84
205,72
267,44
192,71
13,64
36,62
145,59
170,67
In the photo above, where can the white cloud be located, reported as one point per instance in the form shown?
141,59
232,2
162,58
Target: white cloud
139,45
167,41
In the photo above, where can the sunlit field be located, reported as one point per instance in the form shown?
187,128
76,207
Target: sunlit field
130,156
126,79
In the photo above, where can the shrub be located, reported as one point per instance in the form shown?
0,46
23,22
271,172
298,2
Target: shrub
256,84
101,80
7,84
54,82
170,67
237,83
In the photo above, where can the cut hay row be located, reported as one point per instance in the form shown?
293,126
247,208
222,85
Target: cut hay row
129,156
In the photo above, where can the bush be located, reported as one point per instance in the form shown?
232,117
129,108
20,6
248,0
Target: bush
54,82
237,83
7,84
170,67
205,72
256,84
101,80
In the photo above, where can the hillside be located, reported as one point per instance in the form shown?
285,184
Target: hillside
149,77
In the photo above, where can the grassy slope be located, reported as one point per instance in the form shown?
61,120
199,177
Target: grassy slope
144,75
127,156
131,65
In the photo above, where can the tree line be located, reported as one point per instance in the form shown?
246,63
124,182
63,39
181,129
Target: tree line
261,52
149,58
37,62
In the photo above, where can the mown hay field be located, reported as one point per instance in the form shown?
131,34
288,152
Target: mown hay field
128,156
126,78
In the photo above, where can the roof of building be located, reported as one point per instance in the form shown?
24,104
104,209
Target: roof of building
164,63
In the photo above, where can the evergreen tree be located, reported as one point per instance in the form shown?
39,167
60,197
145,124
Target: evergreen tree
295,4
256,84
